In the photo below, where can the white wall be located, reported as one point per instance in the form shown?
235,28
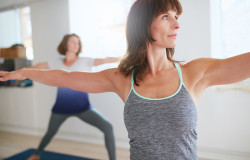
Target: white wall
223,123
223,116
49,24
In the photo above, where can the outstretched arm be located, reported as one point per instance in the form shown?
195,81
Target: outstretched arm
227,71
42,65
105,60
202,73
87,82
206,72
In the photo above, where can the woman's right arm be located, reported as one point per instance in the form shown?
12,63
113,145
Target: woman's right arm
104,81
42,65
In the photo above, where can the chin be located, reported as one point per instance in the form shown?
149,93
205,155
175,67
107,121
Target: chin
170,46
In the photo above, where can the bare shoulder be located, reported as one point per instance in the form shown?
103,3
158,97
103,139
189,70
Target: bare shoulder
115,74
121,82
200,63
197,67
193,75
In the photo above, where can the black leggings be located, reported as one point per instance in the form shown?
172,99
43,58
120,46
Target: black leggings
92,117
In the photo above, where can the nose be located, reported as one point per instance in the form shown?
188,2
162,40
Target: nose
176,24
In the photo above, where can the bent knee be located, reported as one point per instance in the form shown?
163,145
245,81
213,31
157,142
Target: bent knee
107,127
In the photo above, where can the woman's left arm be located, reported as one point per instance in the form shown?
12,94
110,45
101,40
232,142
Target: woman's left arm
227,71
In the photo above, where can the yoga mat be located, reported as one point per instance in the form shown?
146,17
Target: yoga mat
46,155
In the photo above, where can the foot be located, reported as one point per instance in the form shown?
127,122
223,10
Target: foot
34,157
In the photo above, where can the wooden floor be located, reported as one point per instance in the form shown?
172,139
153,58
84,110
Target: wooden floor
12,143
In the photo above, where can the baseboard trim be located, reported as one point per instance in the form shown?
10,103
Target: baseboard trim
220,154
73,136
17,129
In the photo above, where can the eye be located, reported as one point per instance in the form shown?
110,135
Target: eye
176,17
165,17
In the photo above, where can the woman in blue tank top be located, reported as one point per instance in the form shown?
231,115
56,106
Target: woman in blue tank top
160,94
74,103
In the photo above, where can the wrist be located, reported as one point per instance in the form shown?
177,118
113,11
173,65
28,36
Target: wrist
22,73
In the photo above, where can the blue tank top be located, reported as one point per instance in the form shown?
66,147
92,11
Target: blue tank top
164,128
70,101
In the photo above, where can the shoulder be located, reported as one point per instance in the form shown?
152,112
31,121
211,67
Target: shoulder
198,66
195,73
121,82
115,74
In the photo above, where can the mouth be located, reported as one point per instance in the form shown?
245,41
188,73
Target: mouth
173,35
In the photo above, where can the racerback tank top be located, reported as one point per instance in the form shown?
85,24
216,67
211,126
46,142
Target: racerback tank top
164,128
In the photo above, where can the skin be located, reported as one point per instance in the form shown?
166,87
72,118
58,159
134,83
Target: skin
161,77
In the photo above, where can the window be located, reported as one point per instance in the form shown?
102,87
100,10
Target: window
15,28
235,27
101,26
26,31
230,33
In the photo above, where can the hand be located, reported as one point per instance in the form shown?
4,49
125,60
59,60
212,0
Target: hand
5,76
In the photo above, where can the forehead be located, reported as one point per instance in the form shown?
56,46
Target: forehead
174,12
73,38
169,10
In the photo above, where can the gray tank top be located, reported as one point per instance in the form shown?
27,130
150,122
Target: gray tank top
164,128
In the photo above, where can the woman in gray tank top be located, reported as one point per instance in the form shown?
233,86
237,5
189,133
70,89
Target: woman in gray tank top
160,94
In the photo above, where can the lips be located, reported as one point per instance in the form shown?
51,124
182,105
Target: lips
172,35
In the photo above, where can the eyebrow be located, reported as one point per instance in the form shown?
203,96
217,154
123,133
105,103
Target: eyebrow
176,14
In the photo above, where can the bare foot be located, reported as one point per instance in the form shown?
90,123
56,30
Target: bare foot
34,157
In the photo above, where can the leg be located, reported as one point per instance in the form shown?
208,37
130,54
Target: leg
55,122
93,117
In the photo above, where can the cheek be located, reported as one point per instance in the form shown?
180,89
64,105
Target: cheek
156,33
159,32
72,47
69,46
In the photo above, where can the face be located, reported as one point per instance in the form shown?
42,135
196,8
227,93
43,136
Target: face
164,29
73,44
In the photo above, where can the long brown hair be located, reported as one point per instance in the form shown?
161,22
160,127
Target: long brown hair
138,34
62,47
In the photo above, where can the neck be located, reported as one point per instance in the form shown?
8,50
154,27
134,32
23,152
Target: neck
70,57
157,60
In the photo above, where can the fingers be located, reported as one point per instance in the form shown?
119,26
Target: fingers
4,76
3,73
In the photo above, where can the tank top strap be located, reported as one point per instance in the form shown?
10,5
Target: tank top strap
179,71
132,79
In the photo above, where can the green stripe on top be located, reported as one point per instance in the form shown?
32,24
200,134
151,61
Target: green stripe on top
161,129
179,71
181,84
